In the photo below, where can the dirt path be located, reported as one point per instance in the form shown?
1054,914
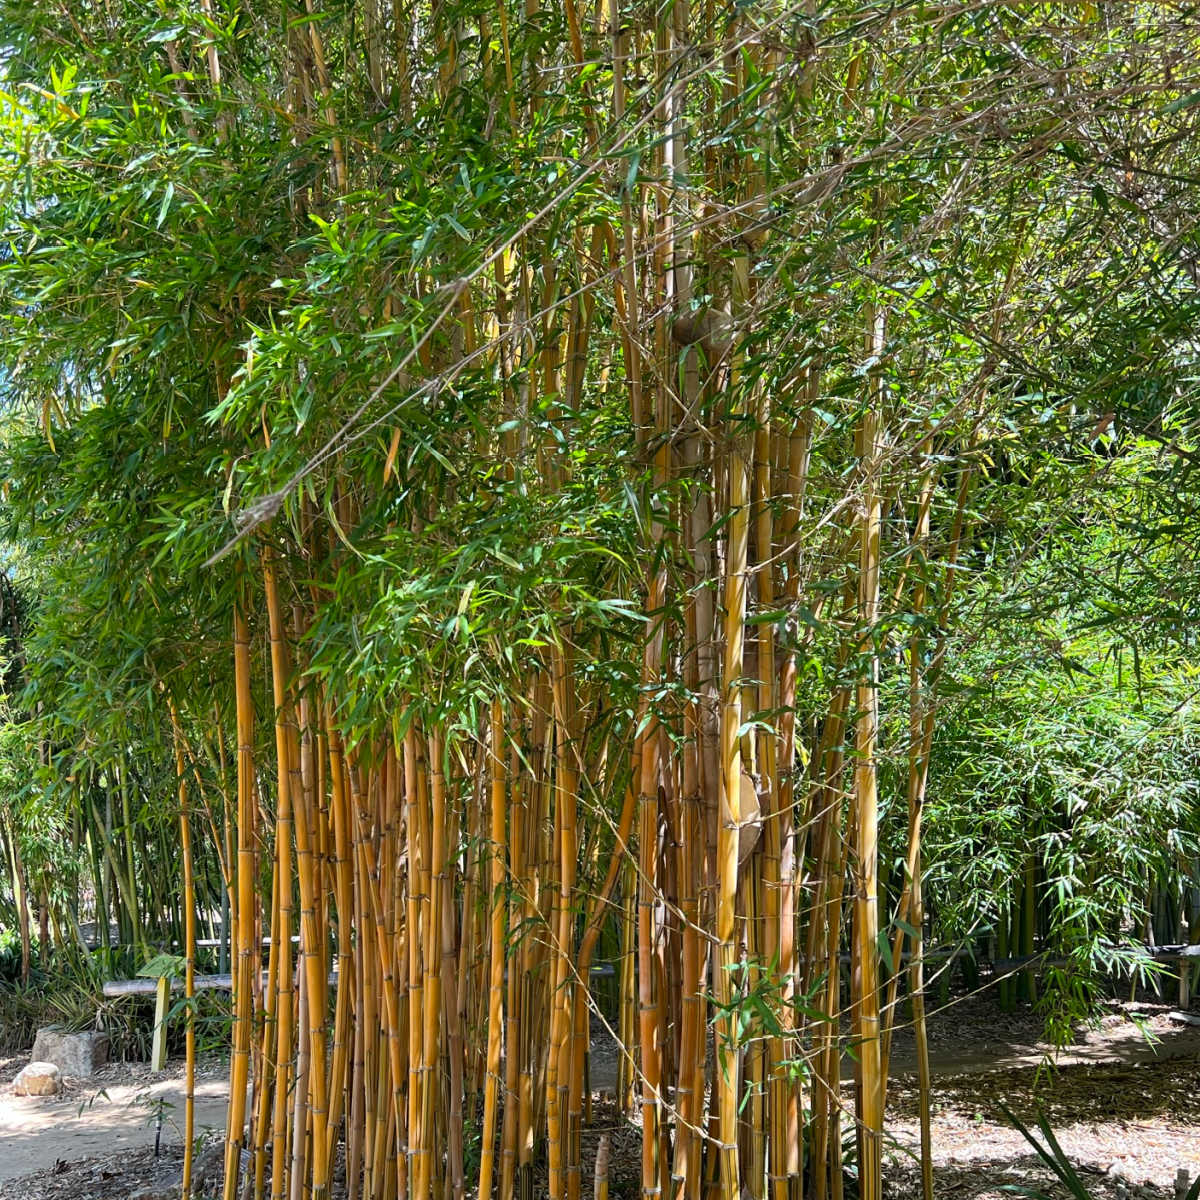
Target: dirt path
115,1111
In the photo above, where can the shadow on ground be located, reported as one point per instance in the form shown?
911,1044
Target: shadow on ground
1102,1093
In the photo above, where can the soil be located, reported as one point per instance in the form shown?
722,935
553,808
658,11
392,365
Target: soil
105,1117
1128,1130
1123,1100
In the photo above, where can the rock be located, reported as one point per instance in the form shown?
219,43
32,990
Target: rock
74,1054
37,1079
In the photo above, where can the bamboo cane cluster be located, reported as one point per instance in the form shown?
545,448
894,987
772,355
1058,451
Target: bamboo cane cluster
668,291
445,936
442,970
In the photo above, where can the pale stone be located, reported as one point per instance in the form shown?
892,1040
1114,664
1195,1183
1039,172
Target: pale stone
74,1054
37,1079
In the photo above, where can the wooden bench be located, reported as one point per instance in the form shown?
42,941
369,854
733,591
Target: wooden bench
162,986
1183,956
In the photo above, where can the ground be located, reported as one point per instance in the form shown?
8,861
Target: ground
1124,1101
107,1120
1128,1129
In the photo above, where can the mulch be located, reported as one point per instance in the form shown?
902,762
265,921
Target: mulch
1129,1127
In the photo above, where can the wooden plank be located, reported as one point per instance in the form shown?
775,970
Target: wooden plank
215,943
149,987
224,983
1162,954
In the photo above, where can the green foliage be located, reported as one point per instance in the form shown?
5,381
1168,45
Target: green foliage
26,1008
213,355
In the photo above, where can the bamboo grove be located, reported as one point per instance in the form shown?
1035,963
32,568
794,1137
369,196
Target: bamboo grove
532,464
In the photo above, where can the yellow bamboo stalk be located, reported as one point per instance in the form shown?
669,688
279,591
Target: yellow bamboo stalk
726,1082
284,984
338,1079
244,910
385,1071
791,856
648,898
293,802
436,875
455,1183
300,1110
510,1138
189,950
496,955
866,800
915,783
263,1100
416,974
